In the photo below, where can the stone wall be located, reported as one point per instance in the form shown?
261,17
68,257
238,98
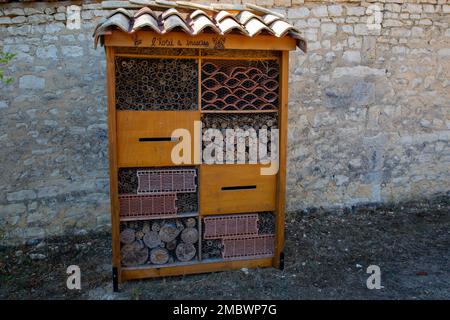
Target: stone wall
369,111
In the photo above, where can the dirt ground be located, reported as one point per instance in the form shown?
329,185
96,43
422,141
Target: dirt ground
327,254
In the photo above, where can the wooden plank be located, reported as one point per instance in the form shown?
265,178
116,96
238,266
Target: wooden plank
215,200
215,57
281,183
112,138
201,41
128,274
135,125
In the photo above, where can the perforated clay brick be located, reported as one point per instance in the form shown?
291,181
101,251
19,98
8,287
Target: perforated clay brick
230,226
258,246
139,207
157,181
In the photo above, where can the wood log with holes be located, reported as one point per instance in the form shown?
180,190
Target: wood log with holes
171,245
189,235
127,236
191,222
134,254
168,232
146,227
155,226
180,225
159,256
152,239
185,251
139,235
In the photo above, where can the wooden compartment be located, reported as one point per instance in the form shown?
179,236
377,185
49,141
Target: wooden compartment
155,84
236,188
240,85
166,192
144,138
238,236
159,243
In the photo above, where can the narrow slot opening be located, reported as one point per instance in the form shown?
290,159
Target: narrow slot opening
239,188
157,139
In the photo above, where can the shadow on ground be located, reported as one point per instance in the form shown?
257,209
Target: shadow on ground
327,253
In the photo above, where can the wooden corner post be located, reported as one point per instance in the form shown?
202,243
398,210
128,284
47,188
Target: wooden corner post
281,183
113,183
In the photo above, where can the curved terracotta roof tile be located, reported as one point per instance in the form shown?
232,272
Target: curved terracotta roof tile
170,12
229,24
255,26
146,20
146,10
195,20
280,28
118,19
222,15
270,18
197,13
175,21
120,10
201,22
244,16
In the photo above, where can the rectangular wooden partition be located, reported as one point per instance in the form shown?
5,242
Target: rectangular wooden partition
176,219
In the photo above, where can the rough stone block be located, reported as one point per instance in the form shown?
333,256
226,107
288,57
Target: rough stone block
16,208
347,29
5,20
31,82
72,51
19,19
320,11
4,104
328,29
296,13
60,16
352,57
265,3
359,71
412,8
49,52
21,195
30,11
13,12
356,11
39,18
392,23
335,10
282,3
393,7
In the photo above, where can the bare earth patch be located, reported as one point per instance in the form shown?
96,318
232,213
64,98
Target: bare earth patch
327,254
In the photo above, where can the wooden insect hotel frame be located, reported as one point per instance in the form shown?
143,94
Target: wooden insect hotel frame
171,69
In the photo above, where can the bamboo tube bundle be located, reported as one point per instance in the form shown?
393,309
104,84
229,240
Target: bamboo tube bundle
156,84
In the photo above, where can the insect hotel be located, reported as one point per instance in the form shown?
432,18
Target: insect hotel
187,68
